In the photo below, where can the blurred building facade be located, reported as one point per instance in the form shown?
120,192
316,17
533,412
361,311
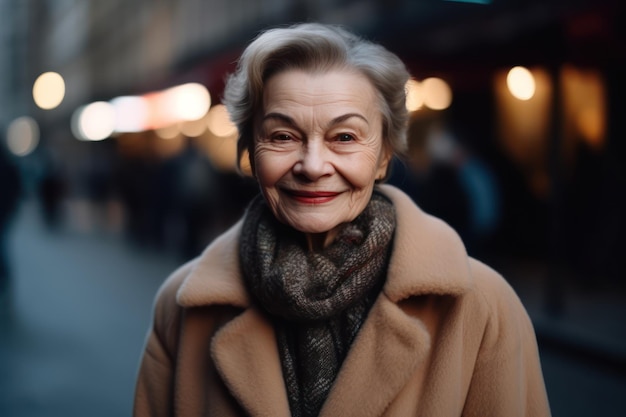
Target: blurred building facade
530,169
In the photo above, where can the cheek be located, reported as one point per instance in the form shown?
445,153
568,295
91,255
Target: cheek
362,171
269,168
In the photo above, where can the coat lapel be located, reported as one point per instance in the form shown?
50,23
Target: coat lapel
216,276
387,351
246,356
244,350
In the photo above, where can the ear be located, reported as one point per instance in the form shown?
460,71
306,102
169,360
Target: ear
383,164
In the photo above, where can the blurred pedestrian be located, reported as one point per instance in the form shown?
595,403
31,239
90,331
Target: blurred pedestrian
10,194
51,190
334,295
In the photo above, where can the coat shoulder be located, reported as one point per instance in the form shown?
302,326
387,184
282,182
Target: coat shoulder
507,320
166,295
495,290
166,310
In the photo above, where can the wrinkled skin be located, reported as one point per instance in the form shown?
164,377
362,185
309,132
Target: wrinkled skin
319,149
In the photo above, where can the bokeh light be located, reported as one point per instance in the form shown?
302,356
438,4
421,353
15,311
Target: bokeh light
220,145
131,113
93,122
521,83
193,128
49,90
22,136
168,132
219,123
189,101
437,93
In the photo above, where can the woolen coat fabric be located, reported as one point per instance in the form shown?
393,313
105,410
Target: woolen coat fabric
446,337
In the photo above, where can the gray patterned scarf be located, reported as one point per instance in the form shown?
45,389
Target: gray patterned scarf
317,300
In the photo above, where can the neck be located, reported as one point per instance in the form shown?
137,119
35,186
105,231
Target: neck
318,241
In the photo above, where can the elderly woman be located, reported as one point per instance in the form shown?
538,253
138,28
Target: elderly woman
334,295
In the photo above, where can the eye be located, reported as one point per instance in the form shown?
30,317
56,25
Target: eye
345,137
282,137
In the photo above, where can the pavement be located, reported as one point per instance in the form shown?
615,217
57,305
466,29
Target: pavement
73,328
581,334
81,303
585,322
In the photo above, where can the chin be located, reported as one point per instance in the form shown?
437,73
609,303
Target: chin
314,229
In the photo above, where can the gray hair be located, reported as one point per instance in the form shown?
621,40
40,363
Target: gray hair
316,47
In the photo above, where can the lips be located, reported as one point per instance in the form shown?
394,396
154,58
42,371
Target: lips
312,197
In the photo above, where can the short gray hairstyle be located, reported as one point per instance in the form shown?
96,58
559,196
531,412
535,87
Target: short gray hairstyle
316,47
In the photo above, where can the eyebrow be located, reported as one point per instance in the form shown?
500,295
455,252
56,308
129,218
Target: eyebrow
346,117
280,116
334,121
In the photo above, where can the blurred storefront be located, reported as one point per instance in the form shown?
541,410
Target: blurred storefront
538,176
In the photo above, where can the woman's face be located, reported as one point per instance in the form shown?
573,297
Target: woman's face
318,149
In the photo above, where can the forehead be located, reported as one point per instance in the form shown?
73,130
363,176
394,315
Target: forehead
336,88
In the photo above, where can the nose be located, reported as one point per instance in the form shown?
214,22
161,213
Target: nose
314,161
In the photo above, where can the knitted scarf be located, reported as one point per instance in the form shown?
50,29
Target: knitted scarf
317,300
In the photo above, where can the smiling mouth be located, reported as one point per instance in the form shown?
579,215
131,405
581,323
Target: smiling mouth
311,197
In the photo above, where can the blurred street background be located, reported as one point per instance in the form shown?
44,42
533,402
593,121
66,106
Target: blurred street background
117,164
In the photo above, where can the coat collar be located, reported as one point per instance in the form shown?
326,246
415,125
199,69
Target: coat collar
215,277
428,258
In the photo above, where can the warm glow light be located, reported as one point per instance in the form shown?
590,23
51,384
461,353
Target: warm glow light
188,101
167,112
524,127
591,125
437,93
49,90
131,113
193,129
414,95
220,144
161,111
584,106
219,123
168,132
521,83
22,136
96,121
221,151
182,103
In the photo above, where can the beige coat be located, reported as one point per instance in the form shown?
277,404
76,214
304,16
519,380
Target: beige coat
446,337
